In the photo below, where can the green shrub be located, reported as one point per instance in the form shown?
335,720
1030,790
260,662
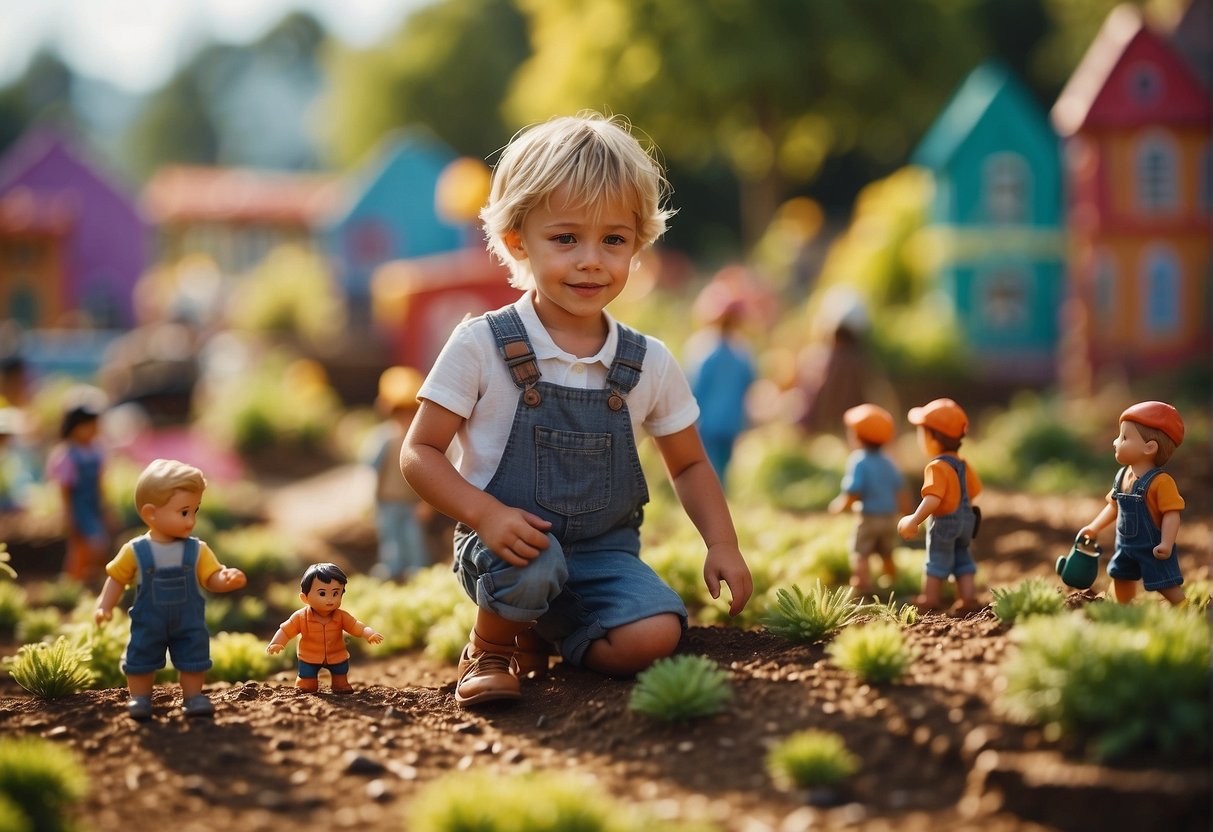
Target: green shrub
261,552
810,759
1119,678
681,687
13,603
405,613
446,638
240,657
1035,596
42,781
229,614
875,652
50,671
38,625
64,593
807,617
103,647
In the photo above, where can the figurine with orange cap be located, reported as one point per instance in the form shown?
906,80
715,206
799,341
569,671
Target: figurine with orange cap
399,512
1145,503
875,484
949,487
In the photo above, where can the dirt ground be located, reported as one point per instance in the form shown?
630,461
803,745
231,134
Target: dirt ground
934,752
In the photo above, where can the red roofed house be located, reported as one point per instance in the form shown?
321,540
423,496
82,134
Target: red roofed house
1135,121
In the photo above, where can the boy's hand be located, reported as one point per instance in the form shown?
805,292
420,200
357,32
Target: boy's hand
907,527
1163,551
725,563
514,535
375,638
227,579
100,616
838,505
273,648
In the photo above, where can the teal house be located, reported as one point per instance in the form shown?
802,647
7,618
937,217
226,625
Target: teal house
995,223
390,214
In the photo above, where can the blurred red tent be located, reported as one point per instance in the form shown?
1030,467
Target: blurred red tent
417,302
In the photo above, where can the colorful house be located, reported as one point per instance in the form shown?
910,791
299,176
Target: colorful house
391,215
994,222
72,243
1135,120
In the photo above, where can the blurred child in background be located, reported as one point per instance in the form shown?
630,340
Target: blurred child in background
77,465
720,370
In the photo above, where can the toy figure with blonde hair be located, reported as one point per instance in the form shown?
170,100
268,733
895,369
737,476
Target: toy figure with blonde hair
546,401
167,567
1145,504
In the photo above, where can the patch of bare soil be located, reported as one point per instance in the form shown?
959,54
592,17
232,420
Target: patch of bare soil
935,752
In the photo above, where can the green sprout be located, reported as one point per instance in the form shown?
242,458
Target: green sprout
51,671
1035,596
875,652
808,617
39,783
681,687
811,759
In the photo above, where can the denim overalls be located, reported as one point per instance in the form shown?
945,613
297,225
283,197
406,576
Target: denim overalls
167,614
1136,537
85,492
949,536
571,459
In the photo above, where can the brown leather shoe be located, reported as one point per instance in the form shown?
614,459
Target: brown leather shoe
487,672
341,684
307,685
534,654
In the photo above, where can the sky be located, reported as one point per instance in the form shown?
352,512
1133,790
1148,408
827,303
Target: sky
136,44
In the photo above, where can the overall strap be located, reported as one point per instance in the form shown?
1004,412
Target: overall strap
143,555
958,466
514,346
625,370
189,555
1143,482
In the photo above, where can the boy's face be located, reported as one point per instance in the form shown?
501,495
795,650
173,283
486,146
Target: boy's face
581,257
1130,448
324,596
176,518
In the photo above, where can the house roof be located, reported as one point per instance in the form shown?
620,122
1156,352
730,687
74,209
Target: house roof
179,194
25,211
1103,91
988,84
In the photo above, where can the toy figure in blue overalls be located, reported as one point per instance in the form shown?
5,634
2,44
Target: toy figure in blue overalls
949,487
168,566
546,400
1145,504
77,465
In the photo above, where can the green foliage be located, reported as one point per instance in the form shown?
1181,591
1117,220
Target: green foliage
1035,596
1087,675
681,687
875,652
13,604
289,293
103,647
405,613
810,759
232,615
38,624
51,671
445,638
12,819
6,568
807,617
793,480
42,781
1197,595
261,552
64,593
240,657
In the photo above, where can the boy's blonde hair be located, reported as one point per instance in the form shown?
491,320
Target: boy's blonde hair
162,478
597,158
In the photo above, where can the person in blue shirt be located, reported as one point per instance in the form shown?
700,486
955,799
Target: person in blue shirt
720,371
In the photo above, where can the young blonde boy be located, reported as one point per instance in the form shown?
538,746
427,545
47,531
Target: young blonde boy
167,566
545,400
1144,503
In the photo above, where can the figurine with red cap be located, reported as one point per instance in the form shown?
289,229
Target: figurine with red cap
875,484
1145,504
948,489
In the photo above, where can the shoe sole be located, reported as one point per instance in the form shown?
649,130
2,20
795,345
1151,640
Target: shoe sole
486,696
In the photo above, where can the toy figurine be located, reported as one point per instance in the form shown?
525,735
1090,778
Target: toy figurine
1145,504
168,566
948,489
76,464
872,481
321,626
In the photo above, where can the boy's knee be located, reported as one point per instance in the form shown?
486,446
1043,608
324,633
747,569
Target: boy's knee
632,647
532,587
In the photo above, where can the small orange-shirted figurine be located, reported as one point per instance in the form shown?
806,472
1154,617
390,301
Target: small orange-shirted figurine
1145,504
321,627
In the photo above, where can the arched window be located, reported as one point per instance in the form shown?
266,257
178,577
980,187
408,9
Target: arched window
1160,290
1004,299
1145,83
1007,188
1157,174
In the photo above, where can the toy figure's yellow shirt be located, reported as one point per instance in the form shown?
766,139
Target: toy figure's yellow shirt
124,568
1161,497
939,480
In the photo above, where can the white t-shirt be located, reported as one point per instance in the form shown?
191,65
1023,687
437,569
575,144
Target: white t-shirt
471,379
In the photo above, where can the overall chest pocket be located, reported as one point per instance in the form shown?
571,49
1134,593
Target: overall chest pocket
1128,507
572,470
168,590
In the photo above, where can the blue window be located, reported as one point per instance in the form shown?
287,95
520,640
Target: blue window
1007,183
1157,172
1160,284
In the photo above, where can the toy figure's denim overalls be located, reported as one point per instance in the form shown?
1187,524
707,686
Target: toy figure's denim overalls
85,493
949,536
167,615
1137,535
571,459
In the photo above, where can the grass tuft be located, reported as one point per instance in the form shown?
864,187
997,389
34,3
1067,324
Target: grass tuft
811,759
806,617
875,652
240,657
681,687
1035,596
39,783
51,671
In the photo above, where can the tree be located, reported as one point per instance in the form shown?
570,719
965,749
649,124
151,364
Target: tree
447,69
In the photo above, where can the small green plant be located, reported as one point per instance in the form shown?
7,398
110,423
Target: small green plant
258,551
38,625
6,567
445,640
41,781
681,687
1086,675
13,604
63,593
810,759
893,611
227,614
1035,596
1197,595
807,617
875,652
50,671
103,647
239,657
